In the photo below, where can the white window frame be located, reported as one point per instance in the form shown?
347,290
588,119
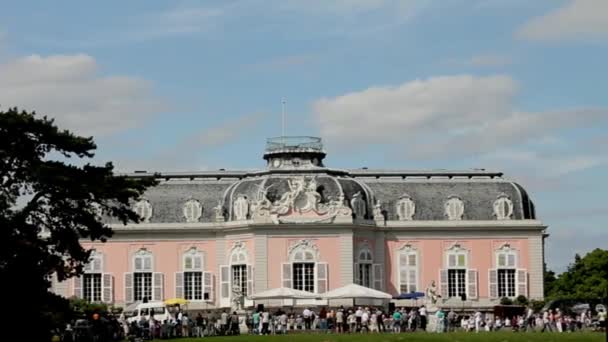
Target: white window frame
407,251
144,255
506,251
365,262
304,254
94,266
193,254
456,250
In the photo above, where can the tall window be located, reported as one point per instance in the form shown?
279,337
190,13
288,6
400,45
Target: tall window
193,275
304,270
238,265
91,279
364,268
408,269
506,266
142,278
457,269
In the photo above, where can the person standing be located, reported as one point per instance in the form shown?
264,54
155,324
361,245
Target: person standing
323,319
306,314
340,321
265,322
256,323
397,321
224,322
423,320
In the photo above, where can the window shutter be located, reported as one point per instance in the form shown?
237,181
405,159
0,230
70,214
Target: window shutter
129,287
249,280
472,284
107,288
443,282
78,287
179,285
208,286
378,277
286,275
157,286
321,277
522,282
356,273
225,281
493,282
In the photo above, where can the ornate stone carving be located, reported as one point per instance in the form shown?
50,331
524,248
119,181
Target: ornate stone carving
193,210
241,208
303,245
454,208
218,213
358,205
503,207
406,208
378,215
300,204
143,209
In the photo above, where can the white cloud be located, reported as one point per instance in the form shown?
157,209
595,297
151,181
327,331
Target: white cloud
69,89
578,19
442,117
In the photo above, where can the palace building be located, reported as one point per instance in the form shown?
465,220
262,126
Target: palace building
213,235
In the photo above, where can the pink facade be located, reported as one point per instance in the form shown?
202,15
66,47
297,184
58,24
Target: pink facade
215,237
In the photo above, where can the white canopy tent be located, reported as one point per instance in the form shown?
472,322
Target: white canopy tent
284,296
357,294
355,291
283,293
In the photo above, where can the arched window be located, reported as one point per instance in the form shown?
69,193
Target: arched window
142,274
92,278
236,278
506,280
457,279
193,275
238,266
363,267
408,269
304,271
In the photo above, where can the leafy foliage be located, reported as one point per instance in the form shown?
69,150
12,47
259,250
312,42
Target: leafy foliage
587,277
506,301
47,205
521,300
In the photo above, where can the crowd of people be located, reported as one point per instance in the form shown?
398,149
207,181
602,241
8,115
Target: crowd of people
339,320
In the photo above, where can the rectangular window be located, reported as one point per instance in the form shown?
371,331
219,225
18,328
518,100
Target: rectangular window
193,285
142,285
239,279
304,276
456,283
91,290
365,275
408,272
506,283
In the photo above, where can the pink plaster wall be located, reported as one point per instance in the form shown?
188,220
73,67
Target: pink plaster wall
167,259
328,252
431,259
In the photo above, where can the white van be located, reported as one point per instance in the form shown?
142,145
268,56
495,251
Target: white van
160,309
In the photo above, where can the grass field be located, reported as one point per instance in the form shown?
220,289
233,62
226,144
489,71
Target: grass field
414,337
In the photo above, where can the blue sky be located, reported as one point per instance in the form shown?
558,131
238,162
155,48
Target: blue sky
513,85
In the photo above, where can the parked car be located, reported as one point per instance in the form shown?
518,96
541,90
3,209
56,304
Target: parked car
160,310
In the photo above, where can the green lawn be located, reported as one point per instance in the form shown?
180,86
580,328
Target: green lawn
452,337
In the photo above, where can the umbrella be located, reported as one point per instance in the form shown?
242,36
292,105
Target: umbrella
283,293
176,301
354,291
411,295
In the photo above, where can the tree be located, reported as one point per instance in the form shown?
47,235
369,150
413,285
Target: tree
47,205
587,277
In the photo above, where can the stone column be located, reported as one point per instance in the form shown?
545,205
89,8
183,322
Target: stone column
261,262
535,270
346,259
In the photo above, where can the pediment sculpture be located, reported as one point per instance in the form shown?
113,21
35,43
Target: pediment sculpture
301,203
